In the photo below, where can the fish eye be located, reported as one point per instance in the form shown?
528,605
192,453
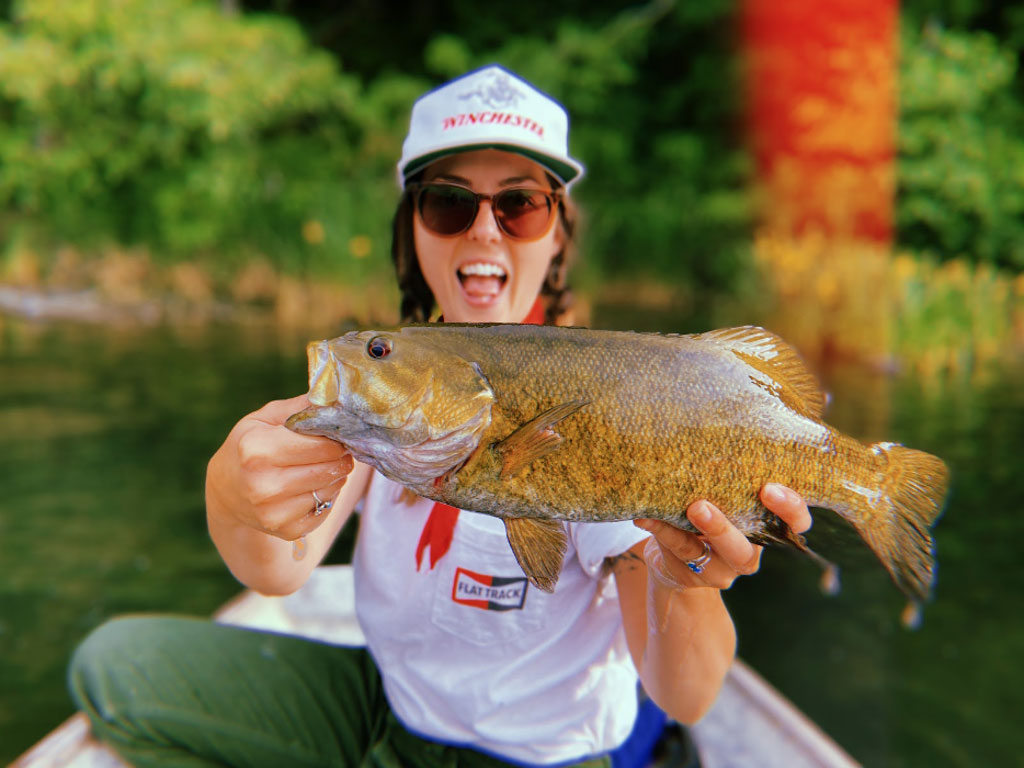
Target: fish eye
378,348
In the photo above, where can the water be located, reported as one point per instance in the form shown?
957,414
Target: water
104,437
941,695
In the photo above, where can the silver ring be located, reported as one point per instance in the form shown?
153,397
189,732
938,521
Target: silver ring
697,564
321,505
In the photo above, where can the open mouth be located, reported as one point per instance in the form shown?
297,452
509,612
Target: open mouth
482,281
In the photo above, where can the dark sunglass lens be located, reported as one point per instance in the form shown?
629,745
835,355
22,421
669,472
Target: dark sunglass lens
447,209
523,213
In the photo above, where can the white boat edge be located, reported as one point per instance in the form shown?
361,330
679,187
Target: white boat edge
750,724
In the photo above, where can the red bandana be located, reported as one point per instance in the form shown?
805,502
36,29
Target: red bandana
438,533
440,526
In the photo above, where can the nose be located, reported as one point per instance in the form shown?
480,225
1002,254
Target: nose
485,227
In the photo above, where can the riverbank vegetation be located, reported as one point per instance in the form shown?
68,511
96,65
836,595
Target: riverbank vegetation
197,154
856,301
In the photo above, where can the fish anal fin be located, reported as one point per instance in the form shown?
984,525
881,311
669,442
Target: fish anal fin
778,532
770,354
534,439
539,545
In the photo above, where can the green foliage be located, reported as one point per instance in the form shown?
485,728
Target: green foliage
447,56
174,126
170,125
1004,21
961,164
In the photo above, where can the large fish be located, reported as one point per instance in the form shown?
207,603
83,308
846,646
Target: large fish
539,424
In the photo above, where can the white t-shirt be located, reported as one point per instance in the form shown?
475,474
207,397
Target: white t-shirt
472,654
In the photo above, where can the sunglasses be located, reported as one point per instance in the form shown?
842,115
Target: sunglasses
520,212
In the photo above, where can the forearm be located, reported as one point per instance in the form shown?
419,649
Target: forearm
679,632
682,640
263,562
689,644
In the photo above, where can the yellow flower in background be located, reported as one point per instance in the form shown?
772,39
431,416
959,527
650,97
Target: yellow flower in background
905,267
313,232
359,246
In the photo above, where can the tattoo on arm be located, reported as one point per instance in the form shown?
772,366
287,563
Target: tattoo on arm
628,559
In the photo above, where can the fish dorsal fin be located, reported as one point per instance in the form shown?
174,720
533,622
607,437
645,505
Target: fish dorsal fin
539,545
534,439
773,356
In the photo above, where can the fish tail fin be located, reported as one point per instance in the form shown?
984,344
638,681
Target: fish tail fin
897,526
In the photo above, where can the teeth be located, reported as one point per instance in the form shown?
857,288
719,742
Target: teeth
482,270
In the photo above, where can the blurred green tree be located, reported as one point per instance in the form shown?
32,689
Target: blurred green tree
961,148
169,124
177,126
198,132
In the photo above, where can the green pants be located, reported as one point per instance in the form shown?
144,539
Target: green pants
185,693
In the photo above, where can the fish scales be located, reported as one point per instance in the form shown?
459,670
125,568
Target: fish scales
534,424
656,433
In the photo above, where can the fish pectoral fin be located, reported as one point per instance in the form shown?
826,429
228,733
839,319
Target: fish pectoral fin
774,357
408,497
539,545
534,439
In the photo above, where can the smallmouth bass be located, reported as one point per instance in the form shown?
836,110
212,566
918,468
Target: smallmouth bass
540,424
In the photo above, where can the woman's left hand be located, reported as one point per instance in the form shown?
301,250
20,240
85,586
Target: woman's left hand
731,553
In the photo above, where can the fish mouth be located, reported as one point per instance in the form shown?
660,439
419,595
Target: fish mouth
481,281
324,421
333,389
335,422
407,453
298,422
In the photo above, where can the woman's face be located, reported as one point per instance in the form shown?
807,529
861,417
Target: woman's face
482,275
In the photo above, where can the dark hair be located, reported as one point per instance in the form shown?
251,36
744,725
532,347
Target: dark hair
417,302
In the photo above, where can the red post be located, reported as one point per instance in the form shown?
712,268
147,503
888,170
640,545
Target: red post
821,79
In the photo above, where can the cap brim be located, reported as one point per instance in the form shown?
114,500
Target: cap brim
561,169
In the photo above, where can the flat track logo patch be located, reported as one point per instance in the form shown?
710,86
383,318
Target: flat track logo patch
490,593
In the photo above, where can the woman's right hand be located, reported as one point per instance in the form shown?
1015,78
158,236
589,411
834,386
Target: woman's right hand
264,475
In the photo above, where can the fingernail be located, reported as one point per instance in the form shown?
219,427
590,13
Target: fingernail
701,513
774,492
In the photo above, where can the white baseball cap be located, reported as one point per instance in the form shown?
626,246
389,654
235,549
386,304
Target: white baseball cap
488,108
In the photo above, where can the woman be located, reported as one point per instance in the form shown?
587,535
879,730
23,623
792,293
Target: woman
467,664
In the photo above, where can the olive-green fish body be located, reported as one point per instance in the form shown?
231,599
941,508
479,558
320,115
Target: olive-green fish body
537,424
